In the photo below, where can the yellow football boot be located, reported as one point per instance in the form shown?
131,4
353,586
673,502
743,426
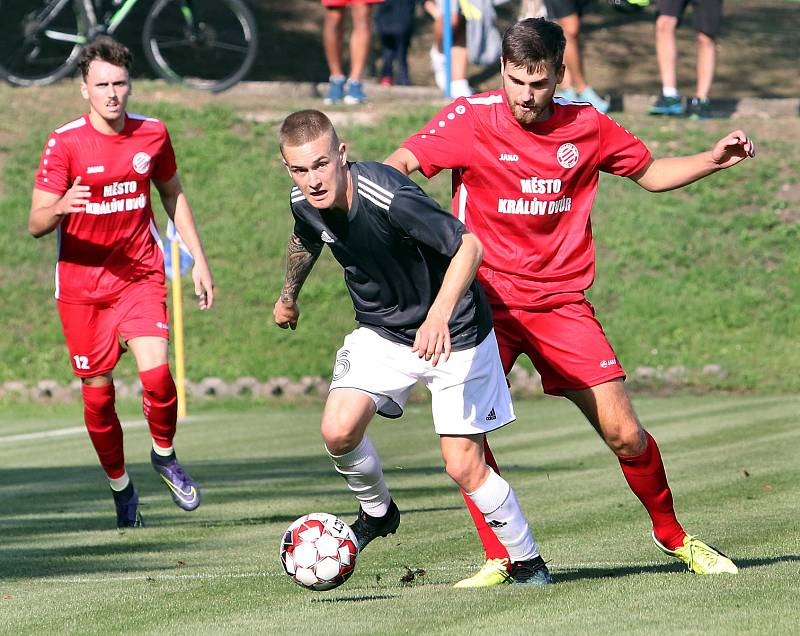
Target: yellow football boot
700,557
493,572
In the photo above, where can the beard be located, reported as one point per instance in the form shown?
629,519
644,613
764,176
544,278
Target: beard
524,117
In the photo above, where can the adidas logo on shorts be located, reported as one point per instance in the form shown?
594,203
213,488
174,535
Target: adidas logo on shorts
492,416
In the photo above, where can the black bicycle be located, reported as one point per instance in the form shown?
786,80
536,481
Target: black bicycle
205,44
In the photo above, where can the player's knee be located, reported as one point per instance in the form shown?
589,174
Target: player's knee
629,440
158,385
98,399
466,473
338,437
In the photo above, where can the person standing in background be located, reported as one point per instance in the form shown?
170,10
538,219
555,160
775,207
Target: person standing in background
707,21
349,90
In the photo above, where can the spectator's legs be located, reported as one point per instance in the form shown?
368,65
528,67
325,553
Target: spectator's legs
403,44
389,43
667,53
360,39
573,57
458,52
706,60
332,39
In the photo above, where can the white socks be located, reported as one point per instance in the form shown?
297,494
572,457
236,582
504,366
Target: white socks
501,509
669,91
362,470
161,451
120,483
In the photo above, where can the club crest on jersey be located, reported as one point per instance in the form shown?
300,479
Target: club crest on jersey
141,162
567,155
327,238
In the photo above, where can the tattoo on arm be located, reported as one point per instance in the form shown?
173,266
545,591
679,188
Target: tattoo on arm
299,261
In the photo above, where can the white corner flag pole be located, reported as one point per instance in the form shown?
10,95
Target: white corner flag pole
177,320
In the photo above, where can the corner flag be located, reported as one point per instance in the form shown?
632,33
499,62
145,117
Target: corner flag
175,251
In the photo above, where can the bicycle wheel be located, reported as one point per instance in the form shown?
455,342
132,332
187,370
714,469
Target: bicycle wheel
41,46
205,44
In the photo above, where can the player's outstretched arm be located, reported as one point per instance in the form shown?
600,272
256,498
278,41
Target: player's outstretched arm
670,173
403,160
433,336
178,209
299,262
48,209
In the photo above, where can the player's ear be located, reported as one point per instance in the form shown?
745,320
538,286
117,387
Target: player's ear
84,90
342,154
560,74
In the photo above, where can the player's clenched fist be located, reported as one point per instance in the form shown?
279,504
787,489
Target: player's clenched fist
286,314
74,199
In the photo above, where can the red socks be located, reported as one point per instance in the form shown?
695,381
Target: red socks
648,481
491,544
160,404
104,428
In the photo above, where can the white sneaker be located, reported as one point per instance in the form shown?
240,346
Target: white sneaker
460,88
437,66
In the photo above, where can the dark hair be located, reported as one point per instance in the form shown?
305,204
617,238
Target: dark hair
304,126
106,49
533,42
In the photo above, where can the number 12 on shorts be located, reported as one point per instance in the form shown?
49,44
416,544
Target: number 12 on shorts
81,362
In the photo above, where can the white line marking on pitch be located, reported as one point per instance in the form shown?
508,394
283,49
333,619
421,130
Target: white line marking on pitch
76,430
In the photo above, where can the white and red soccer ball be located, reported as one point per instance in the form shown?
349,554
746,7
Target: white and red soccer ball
319,551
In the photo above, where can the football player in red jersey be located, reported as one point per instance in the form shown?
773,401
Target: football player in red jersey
525,169
93,189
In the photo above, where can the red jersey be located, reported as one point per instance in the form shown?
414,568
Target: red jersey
115,242
527,192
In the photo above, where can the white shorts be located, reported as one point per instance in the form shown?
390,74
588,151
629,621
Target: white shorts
469,393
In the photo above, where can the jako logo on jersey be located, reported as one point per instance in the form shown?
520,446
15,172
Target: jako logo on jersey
496,524
342,365
141,162
95,169
327,237
567,155
608,363
507,157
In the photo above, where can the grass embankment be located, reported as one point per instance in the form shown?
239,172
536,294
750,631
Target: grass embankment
705,275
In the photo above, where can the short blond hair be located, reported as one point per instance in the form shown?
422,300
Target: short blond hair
304,126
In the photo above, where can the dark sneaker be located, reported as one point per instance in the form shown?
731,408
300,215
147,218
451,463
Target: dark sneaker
355,93
335,90
698,109
127,504
184,490
671,106
366,528
533,572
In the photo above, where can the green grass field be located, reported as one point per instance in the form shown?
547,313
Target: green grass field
731,460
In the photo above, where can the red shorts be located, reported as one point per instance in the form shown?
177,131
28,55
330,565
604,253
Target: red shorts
347,3
93,332
567,345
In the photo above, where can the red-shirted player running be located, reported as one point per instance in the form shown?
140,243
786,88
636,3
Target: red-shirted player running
525,172
93,187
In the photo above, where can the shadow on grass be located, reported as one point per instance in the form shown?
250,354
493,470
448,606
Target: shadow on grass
84,560
564,576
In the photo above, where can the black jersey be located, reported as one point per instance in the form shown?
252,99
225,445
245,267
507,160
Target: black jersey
395,244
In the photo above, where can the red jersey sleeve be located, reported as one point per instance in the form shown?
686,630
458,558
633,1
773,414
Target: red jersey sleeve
53,174
621,152
164,166
446,140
